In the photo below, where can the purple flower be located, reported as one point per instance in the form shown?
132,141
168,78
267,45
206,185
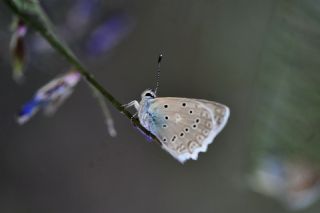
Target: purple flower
80,15
109,34
50,97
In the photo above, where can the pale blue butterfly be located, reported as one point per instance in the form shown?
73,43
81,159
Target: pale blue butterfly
184,126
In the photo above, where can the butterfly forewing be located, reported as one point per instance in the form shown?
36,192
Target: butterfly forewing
184,126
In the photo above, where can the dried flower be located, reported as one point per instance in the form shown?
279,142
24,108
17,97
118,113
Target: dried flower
17,49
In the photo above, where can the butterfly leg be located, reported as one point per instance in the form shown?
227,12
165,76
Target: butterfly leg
134,103
134,115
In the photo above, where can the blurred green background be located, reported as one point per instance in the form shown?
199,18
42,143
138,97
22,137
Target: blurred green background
260,58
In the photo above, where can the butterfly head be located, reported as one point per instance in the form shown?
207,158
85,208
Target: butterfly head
148,94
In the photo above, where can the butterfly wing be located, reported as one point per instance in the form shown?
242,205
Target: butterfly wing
221,113
185,126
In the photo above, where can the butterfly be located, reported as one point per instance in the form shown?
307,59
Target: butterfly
184,126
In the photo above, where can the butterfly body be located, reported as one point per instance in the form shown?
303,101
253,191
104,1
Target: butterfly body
184,126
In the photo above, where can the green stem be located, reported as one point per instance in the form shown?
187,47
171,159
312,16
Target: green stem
38,20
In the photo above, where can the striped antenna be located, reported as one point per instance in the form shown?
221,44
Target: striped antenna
158,73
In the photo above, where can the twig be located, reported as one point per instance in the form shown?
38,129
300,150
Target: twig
33,15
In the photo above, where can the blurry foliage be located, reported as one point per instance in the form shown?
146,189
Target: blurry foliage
286,127
287,100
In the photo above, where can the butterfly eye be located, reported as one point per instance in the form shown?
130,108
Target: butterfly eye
148,94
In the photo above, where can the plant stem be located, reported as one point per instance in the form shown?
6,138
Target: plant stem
39,21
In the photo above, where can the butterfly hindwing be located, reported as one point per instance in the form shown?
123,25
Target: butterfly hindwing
185,126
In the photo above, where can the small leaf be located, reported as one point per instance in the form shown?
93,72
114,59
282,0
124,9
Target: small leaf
106,113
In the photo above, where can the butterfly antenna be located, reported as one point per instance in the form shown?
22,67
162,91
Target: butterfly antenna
158,73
